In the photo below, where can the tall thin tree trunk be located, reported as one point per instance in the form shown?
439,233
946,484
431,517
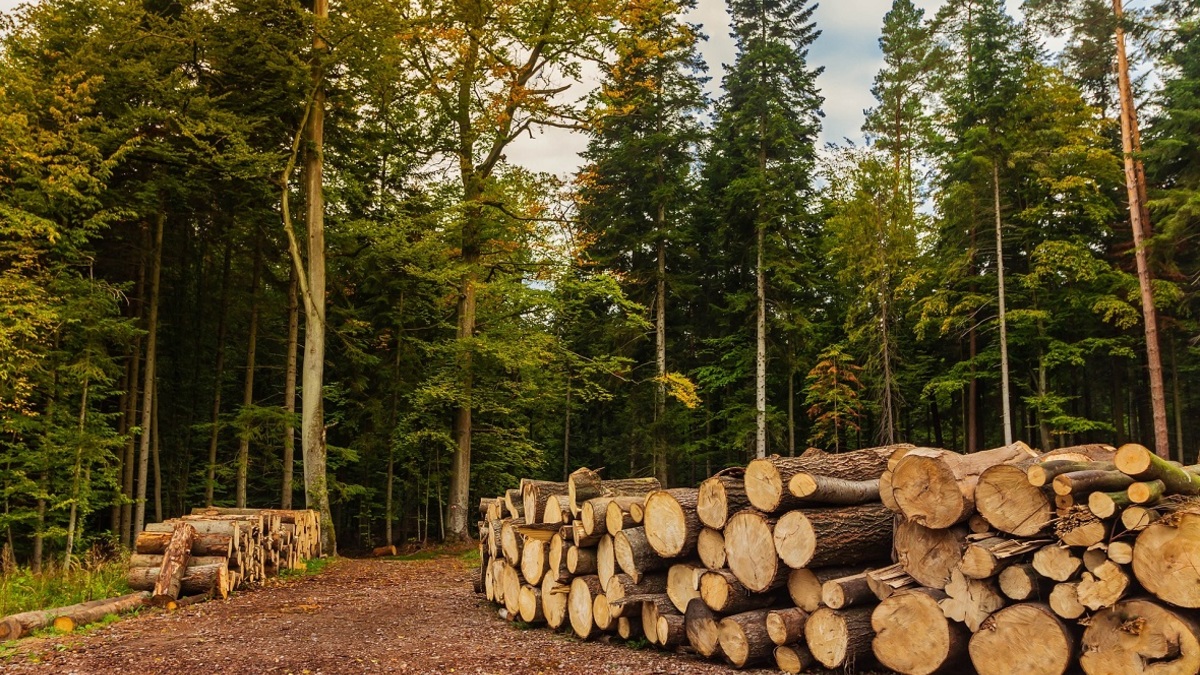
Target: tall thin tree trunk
243,457
156,457
139,517
1135,186
289,388
660,354
567,434
131,411
214,434
760,353
1005,403
1178,404
791,422
73,515
122,429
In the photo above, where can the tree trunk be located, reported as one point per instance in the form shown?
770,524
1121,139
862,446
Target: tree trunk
67,618
660,354
847,535
243,456
1138,218
744,638
671,523
841,639
1005,402
218,375
72,519
156,456
936,488
1026,638
289,393
912,635
139,518
766,480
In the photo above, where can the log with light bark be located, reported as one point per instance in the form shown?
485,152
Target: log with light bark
66,619
1102,586
750,549
511,541
622,586
683,584
199,579
849,591
557,510
1140,463
155,543
786,626
1027,639
534,561
529,604
702,630
794,658
767,479
380,551
514,507
555,596
1137,518
534,494
914,637
720,497
804,585
1086,482
585,484
841,638
579,605
1106,504
1021,583
936,488
710,548
986,557
970,601
815,488
616,516
846,535
1146,492
887,581
1056,562
1141,636
653,607
929,555
723,593
155,560
1064,600
595,513
1166,557
671,523
744,638
634,554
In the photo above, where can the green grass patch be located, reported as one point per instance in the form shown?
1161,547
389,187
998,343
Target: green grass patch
471,556
23,590
311,566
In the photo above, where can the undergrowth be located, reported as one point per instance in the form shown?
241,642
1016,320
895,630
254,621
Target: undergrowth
93,578
311,566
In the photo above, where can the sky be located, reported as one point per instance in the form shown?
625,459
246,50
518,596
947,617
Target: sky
848,49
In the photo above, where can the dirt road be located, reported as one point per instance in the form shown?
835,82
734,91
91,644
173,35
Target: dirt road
357,616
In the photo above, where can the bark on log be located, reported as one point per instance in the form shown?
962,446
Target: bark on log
67,618
199,579
582,561
887,581
850,591
723,593
629,629
1043,472
833,536
970,601
936,488
750,549
653,607
534,494
985,558
202,545
595,513
786,626
616,517
1166,557
794,658
1027,639
174,564
1142,464
513,504
671,523
1084,482
1106,504
1146,492
670,630
579,605
744,638
153,560
914,637
683,584
841,639
622,586
766,480
1140,636
929,555
634,555
720,497
804,586
702,631
814,488
557,511
710,547
530,604
555,596
583,484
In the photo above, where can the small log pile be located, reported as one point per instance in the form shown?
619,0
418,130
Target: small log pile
915,560
214,551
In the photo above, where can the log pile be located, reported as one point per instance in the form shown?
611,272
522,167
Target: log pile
916,560
214,551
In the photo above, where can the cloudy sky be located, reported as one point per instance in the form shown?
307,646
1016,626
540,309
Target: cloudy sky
848,49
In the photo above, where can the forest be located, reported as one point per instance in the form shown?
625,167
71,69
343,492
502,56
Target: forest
269,253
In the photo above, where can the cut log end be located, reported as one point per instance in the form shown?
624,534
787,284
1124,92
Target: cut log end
1026,639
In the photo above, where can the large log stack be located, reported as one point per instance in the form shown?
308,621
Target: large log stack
917,560
214,551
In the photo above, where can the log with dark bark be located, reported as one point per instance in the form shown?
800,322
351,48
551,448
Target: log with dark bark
786,626
683,584
913,636
671,630
66,619
887,581
804,585
984,558
841,638
719,498
766,480
622,586
794,658
202,545
579,605
744,639
530,606
845,535
1027,639
594,513
583,484
710,548
1043,472
929,555
617,517
1141,636
1166,557
815,488
702,630
653,607
849,591
1086,482
199,579
936,488
174,564
750,550
534,494
723,593
581,561
634,555
671,523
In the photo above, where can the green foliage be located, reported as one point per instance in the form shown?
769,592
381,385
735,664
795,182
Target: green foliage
22,590
832,398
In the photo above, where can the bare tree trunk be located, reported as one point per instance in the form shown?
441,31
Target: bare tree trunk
791,399
1135,186
218,375
139,517
156,457
131,410
243,457
289,388
1178,404
72,518
391,477
887,416
567,434
1005,404
760,355
660,356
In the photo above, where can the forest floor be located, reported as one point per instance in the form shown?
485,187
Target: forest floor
356,616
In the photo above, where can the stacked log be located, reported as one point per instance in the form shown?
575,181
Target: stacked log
889,558
214,551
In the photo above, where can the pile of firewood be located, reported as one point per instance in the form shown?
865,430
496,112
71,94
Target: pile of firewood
917,560
216,550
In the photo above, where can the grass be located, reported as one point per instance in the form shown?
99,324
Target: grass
311,566
23,590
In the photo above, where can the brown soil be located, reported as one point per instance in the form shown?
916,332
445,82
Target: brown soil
358,616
